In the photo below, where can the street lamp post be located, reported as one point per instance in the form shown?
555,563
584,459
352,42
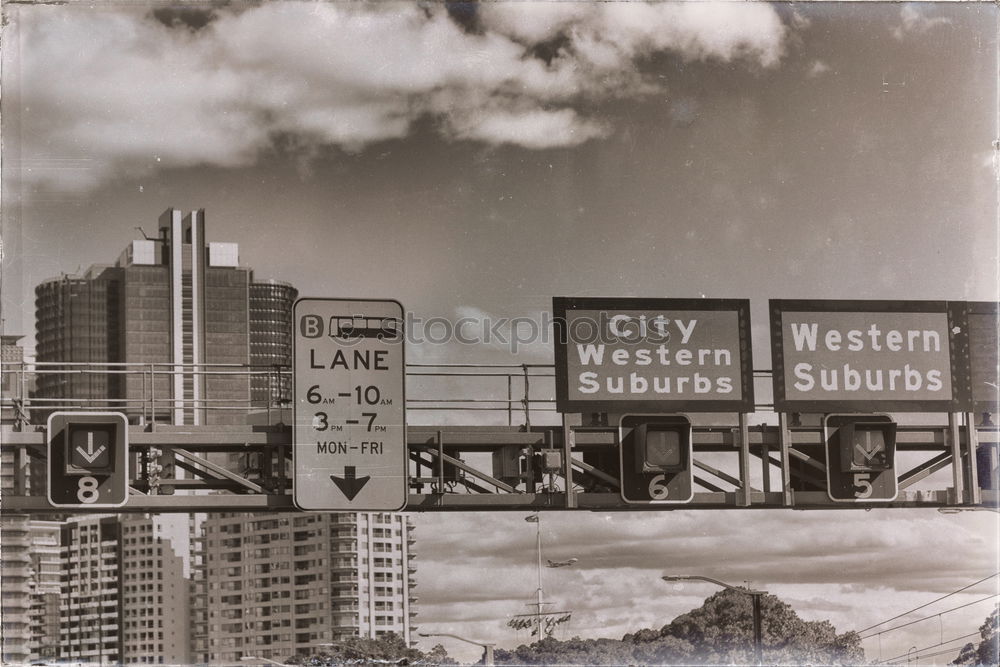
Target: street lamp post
755,595
488,647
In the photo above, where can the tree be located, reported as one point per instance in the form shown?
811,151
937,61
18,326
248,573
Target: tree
722,631
988,651
387,649
718,632
575,651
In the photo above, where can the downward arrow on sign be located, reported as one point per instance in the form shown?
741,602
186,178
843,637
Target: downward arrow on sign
350,483
870,449
90,455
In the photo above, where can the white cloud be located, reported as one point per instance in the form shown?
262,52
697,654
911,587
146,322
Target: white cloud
913,21
534,128
852,568
818,68
107,92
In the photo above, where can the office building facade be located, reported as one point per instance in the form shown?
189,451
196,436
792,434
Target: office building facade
170,322
271,337
286,584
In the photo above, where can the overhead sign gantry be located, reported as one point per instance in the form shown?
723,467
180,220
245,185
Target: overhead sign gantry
647,380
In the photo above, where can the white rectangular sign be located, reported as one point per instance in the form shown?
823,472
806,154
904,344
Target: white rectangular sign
349,435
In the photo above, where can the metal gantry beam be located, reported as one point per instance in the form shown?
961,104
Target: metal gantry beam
245,469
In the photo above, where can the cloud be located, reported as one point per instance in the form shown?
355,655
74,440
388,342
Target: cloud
817,68
533,128
853,568
913,21
112,92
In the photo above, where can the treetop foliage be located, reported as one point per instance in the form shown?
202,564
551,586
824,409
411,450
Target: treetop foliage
988,651
718,632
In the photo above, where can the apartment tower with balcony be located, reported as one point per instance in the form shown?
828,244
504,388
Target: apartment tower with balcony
125,597
287,584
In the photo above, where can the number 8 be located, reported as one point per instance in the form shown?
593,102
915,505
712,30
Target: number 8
88,491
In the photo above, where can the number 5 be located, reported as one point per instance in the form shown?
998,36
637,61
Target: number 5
861,479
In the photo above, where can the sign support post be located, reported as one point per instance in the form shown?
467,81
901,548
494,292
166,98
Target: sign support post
744,499
957,460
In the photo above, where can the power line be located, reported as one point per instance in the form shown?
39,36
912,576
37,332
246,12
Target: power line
947,651
975,583
917,652
903,625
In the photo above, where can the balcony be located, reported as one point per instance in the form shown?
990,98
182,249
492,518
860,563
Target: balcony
345,533
344,564
344,623
348,519
343,550
345,595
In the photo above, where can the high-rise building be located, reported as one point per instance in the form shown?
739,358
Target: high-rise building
156,596
12,380
271,337
285,584
46,575
30,554
125,598
90,628
15,536
15,602
175,312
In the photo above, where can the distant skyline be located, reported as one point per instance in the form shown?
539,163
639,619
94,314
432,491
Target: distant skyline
483,158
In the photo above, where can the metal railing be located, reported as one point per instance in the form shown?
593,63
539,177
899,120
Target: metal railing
513,394
32,390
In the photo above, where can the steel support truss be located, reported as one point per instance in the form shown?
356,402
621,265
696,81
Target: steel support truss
206,469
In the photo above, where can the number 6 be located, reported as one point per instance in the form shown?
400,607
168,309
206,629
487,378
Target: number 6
658,487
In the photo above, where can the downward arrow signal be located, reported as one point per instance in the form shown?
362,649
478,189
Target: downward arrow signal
869,449
90,455
350,483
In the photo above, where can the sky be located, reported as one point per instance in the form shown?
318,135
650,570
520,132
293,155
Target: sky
481,159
